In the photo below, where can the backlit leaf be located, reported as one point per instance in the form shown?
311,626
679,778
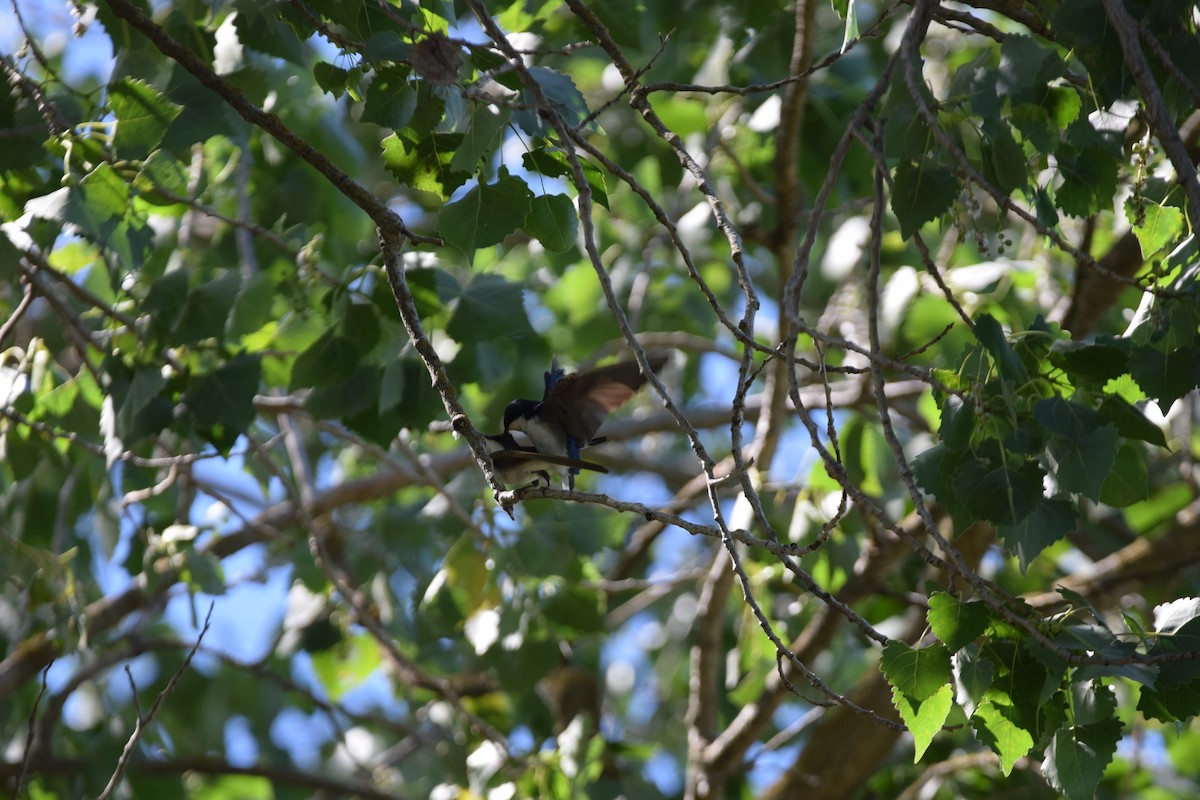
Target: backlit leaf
917,672
924,719
995,726
143,116
956,623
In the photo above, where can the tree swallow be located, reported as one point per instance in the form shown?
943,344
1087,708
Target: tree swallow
573,407
518,466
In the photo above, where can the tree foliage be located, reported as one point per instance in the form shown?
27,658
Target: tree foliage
910,510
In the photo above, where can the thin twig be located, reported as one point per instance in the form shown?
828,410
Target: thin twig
30,733
142,722
1156,107
10,324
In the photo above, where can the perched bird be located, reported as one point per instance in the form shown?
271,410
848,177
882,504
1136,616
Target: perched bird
573,407
519,466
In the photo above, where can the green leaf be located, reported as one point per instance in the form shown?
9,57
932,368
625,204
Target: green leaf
1083,464
998,492
419,404
489,308
555,164
204,114
360,324
1175,703
851,16
386,46
921,192
1062,105
1131,423
24,136
973,675
958,422
1179,630
330,78
331,359
1094,362
1025,68
996,726
482,137
140,407
161,172
1156,227
391,385
924,719
143,116
1128,667
345,399
1036,127
1076,758
1049,521
553,222
1129,480
424,164
431,110
520,670
1092,702
917,672
344,668
252,308
956,624
485,215
166,298
1082,444
432,288
467,574
991,336
1166,376
391,100
928,470
206,311
574,611
21,451
905,134
1089,180
1003,159
221,403
1044,205
99,202
268,33
563,96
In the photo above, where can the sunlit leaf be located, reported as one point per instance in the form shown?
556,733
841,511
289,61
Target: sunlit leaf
995,726
954,622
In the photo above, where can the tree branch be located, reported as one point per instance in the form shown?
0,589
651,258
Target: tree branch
392,230
1156,107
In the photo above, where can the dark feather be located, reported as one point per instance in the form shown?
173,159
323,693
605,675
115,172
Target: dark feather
518,466
579,402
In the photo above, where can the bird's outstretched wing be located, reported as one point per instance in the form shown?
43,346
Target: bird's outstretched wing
579,402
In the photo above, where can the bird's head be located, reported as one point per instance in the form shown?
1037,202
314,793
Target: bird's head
517,412
500,441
